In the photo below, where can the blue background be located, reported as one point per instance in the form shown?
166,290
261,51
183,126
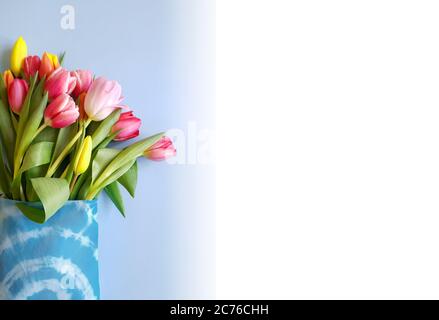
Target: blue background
162,54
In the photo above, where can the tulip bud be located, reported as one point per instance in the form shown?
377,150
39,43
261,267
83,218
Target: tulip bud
49,63
161,150
83,158
102,99
54,59
61,112
31,65
59,82
127,126
83,81
17,92
8,77
19,52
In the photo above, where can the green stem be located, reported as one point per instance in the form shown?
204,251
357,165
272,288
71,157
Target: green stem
14,120
40,129
64,174
22,196
17,164
72,185
91,194
61,156
54,166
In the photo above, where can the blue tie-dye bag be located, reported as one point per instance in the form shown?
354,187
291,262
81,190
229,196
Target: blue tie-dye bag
55,260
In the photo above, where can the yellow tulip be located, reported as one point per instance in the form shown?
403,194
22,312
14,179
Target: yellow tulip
54,59
19,52
82,160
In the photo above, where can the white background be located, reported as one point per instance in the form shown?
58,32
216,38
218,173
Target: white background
327,149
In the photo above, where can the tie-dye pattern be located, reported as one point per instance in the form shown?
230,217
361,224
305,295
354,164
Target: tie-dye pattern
55,260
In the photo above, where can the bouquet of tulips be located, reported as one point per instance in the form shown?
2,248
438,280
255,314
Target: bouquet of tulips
55,129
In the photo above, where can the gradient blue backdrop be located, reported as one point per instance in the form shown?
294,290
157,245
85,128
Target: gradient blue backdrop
162,54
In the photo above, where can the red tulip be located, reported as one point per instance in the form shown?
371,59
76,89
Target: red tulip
31,65
17,92
128,126
161,150
84,79
61,112
60,81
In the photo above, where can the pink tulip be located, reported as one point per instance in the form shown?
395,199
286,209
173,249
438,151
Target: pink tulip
102,99
83,81
31,65
17,92
60,81
61,112
161,150
128,126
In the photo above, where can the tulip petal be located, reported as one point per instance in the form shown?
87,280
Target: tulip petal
102,99
61,112
19,52
65,119
17,92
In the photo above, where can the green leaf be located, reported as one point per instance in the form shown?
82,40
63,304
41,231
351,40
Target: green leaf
65,135
113,192
38,109
5,178
35,172
61,58
35,100
3,91
27,128
117,174
102,159
49,134
38,154
105,142
32,213
104,129
28,134
85,186
7,133
127,155
16,187
52,192
96,189
92,127
129,180
4,98
81,184
25,109
78,185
